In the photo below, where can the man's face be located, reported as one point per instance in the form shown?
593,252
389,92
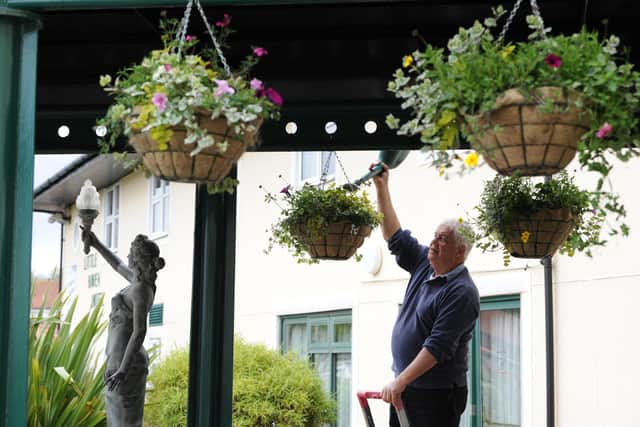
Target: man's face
443,253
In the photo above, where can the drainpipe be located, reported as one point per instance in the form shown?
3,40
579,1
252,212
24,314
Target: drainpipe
548,322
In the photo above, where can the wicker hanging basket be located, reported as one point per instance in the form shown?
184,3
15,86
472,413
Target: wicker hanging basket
341,241
208,166
517,136
547,231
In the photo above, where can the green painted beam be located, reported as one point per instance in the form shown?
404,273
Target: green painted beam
212,304
115,4
18,53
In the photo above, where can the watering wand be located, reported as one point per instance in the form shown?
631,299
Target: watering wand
391,158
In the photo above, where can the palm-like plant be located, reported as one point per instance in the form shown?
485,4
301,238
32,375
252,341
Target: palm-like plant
65,379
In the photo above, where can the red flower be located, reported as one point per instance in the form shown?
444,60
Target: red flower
553,60
226,20
273,96
260,51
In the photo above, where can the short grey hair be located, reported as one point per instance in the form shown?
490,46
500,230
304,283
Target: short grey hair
462,232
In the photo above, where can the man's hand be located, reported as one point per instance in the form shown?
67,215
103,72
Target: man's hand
391,393
383,178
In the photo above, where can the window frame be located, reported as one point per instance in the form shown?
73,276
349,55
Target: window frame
499,302
112,241
319,162
165,210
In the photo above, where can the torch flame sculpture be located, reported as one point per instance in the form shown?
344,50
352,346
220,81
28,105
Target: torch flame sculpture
88,203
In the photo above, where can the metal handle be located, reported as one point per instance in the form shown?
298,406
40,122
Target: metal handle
364,405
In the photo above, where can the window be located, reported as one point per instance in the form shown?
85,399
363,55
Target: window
95,298
159,206
325,339
156,315
494,392
93,280
312,164
111,220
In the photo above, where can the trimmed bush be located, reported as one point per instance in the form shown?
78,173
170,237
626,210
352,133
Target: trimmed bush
268,388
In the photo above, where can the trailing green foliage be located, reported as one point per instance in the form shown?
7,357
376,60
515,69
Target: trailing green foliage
65,382
268,389
443,92
314,208
506,198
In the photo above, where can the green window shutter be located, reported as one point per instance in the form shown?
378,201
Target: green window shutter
155,315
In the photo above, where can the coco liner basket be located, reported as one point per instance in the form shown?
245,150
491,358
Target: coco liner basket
517,136
548,229
340,242
209,165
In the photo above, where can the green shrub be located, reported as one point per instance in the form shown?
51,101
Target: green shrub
167,396
65,385
268,388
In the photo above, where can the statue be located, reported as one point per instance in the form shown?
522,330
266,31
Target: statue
125,376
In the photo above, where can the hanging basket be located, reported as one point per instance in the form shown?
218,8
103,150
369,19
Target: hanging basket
340,243
517,136
208,166
547,230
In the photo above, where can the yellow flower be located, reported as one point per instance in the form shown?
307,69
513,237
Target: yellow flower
525,236
143,118
407,61
460,220
507,51
471,160
162,135
441,170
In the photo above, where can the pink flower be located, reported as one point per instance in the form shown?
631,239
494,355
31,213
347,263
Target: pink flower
167,67
256,84
553,60
604,131
260,51
160,101
286,189
273,96
223,88
226,20
189,38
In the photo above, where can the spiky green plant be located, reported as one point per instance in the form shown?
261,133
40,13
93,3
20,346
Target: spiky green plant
65,379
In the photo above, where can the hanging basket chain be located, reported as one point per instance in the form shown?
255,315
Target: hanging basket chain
344,172
325,167
182,33
536,12
213,39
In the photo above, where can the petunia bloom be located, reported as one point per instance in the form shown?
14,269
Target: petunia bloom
273,96
604,130
226,20
189,38
223,88
286,189
167,67
553,60
160,101
256,84
259,51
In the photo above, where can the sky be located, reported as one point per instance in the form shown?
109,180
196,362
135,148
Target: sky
45,243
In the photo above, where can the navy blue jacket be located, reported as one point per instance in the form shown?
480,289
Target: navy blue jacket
438,314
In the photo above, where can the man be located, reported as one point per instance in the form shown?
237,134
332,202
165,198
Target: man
431,336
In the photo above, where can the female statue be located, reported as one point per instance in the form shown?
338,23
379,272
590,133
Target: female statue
125,376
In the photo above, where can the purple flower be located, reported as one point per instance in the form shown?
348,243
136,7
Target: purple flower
223,88
226,20
256,84
160,101
553,60
273,96
260,51
189,38
286,191
604,130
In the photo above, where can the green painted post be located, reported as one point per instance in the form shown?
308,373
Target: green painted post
212,302
18,53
